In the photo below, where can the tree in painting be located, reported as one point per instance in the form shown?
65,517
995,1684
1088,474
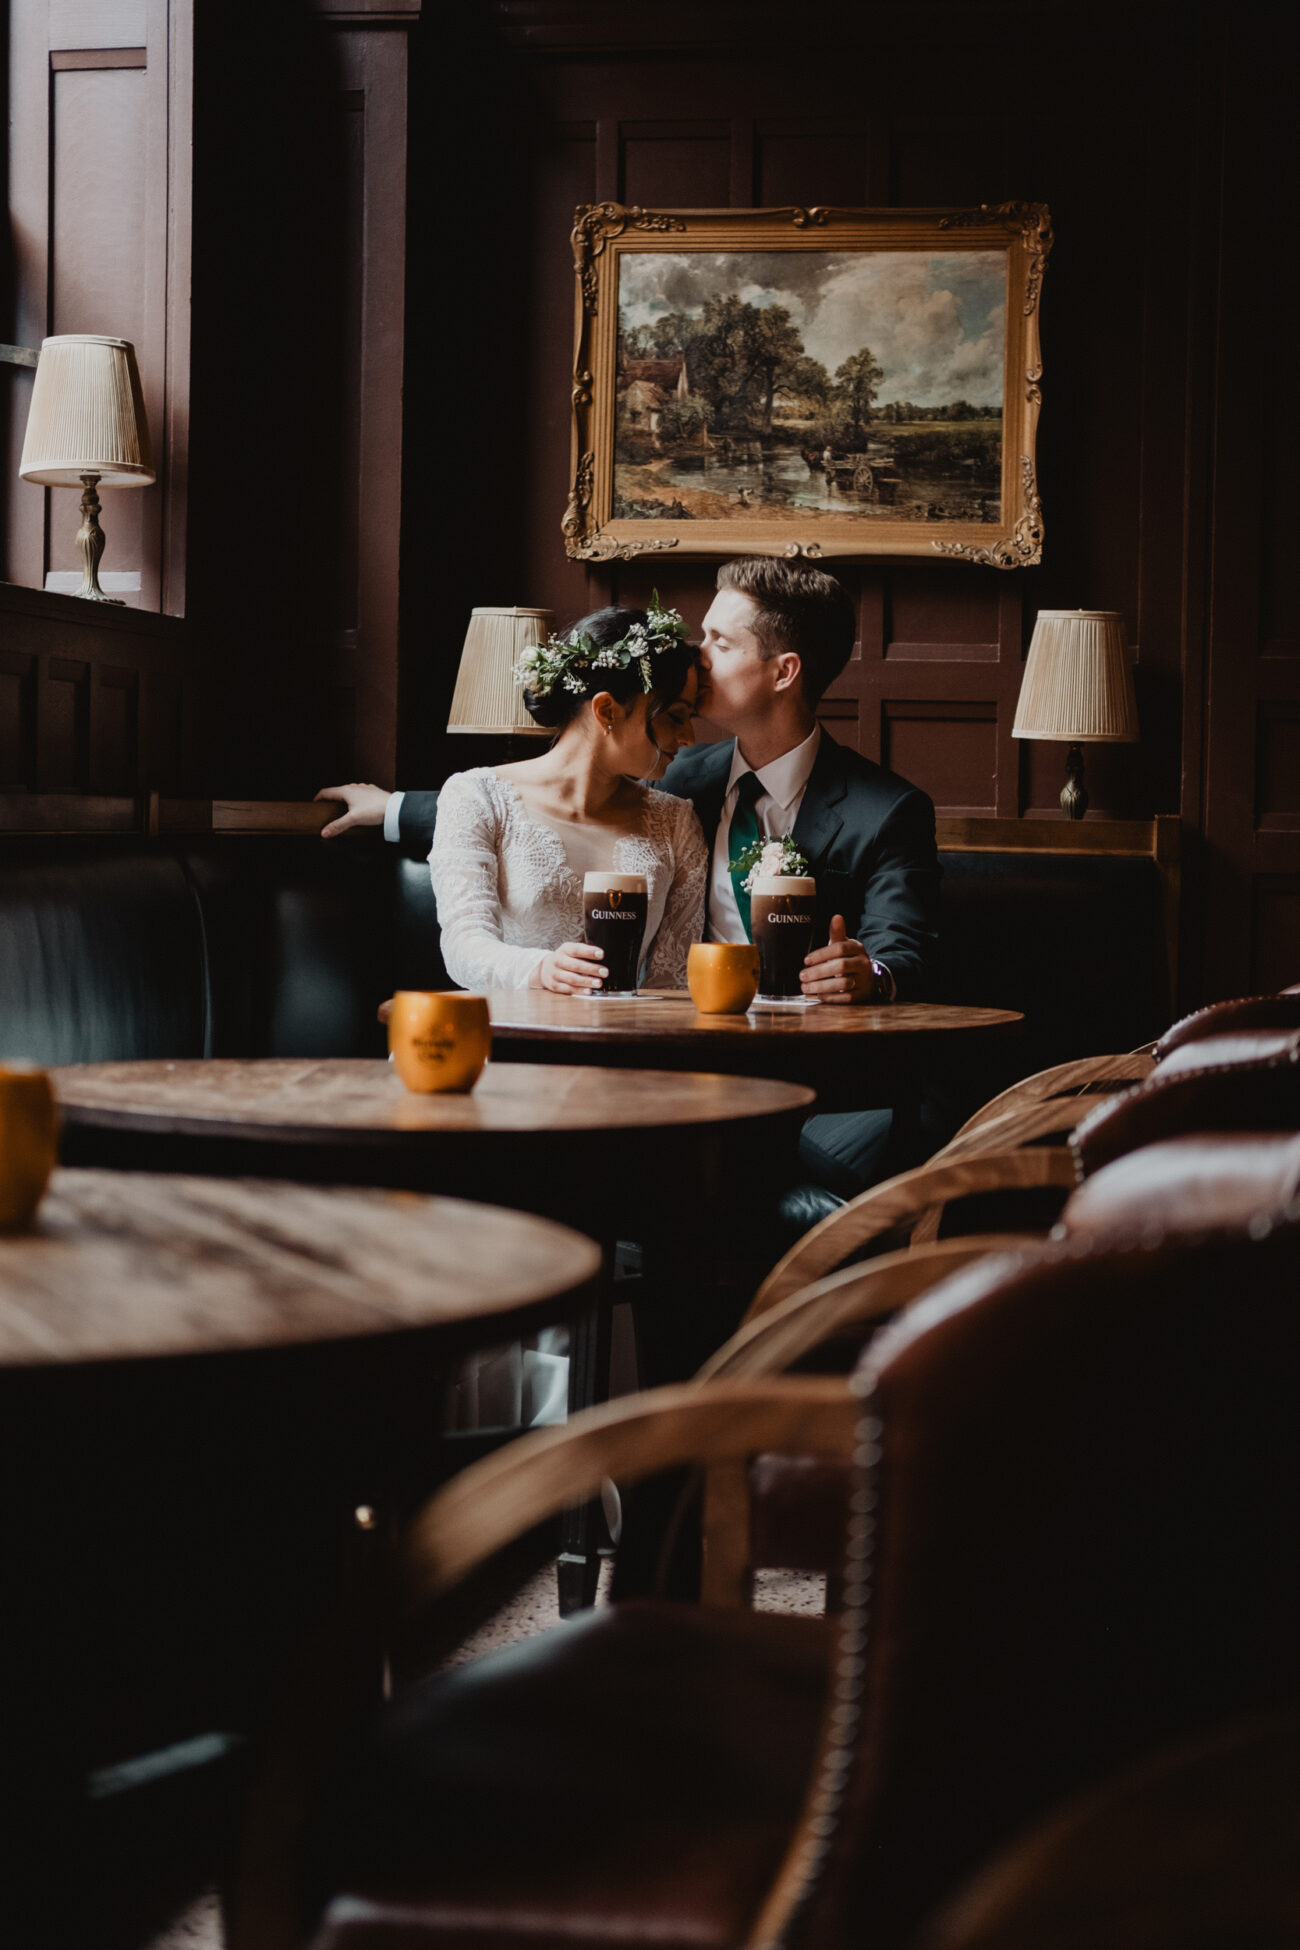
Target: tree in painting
816,384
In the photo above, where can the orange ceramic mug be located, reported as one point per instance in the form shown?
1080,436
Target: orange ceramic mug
439,1039
29,1141
722,977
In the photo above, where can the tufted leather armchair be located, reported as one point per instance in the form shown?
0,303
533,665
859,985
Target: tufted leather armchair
1076,1490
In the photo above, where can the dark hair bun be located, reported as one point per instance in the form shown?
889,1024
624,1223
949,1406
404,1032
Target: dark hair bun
550,712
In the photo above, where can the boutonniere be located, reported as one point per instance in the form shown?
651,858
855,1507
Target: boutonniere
774,856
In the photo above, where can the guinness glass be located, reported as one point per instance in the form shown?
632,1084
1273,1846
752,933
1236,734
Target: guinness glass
614,908
781,908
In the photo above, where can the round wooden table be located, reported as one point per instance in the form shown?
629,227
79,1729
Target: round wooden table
647,1155
204,1385
608,1150
141,1267
858,1058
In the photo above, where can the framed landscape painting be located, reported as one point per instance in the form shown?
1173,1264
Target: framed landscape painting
814,382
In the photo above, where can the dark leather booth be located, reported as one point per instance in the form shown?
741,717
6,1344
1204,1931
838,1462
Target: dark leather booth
1074,941
281,945
225,946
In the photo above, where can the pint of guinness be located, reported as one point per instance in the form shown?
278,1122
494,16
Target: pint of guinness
781,910
614,908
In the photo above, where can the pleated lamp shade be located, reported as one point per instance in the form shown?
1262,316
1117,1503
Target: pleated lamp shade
487,697
1078,682
87,415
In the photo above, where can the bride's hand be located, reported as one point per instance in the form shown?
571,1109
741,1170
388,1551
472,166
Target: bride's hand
571,969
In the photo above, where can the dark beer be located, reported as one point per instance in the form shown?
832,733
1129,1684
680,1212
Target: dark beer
781,908
614,908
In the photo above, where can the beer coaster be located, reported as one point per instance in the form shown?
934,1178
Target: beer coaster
624,995
787,1002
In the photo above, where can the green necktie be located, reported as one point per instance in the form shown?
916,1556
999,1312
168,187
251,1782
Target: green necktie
744,831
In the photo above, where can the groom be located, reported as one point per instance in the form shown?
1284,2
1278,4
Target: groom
776,636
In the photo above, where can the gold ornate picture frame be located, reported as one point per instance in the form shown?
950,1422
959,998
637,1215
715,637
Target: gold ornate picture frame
807,382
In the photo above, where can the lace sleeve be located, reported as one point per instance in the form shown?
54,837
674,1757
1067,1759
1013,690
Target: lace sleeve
683,920
465,867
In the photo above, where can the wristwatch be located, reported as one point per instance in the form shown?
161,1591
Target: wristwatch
883,989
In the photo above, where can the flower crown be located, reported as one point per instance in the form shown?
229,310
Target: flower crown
569,661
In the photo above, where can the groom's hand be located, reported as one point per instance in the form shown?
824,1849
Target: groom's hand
365,807
841,971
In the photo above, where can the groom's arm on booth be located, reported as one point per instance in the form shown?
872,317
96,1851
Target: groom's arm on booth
406,817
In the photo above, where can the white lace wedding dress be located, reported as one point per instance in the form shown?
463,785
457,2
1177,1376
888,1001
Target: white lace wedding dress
509,889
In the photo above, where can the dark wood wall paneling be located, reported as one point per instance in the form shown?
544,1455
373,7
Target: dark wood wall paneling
96,700
936,670
1167,446
263,172
98,168
1251,756
93,700
1156,504
297,436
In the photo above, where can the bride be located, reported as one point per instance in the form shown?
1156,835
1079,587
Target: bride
511,844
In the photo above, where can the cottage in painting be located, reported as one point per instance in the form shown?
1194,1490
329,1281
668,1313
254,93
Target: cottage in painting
646,387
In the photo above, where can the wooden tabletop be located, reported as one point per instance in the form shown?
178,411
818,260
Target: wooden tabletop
854,1058
125,1265
671,1017
362,1098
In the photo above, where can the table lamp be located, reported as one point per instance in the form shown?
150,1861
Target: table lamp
86,425
487,697
1078,689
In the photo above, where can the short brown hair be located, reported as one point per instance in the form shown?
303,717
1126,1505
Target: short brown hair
800,609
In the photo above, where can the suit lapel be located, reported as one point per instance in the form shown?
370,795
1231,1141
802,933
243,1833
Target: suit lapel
711,789
820,818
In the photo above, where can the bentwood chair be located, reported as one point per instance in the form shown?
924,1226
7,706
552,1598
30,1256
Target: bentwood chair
798,1506
1031,1100
1245,1081
1067,1550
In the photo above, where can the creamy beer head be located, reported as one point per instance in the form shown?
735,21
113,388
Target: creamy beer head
782,908
620,883
614,909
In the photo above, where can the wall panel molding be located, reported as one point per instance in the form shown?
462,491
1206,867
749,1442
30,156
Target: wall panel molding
100,130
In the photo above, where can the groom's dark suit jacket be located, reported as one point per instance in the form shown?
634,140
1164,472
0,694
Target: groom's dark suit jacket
867,835
868,838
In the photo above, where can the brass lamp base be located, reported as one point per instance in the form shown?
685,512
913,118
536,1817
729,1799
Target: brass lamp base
90,545
1074,799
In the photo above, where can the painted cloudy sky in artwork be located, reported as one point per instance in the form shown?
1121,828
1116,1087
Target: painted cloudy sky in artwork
935,320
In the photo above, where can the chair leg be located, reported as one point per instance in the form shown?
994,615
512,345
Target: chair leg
582,1527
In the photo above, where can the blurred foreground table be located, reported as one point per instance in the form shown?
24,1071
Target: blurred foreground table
608,1150
655,1156
202,1383
858,1058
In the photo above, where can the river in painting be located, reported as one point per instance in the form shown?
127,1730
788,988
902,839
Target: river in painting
745,478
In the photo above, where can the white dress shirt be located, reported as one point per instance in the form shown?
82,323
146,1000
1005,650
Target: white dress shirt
784,783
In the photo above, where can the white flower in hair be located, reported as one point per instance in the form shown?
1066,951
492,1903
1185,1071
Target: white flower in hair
544,665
